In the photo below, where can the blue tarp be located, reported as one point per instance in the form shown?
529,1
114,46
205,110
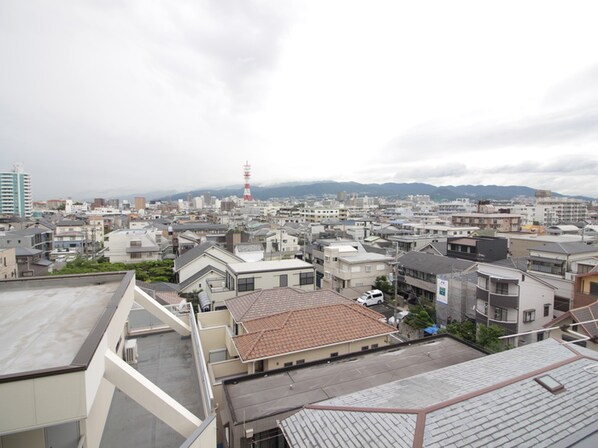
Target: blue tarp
431,330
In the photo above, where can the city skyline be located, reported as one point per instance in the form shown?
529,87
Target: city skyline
133,98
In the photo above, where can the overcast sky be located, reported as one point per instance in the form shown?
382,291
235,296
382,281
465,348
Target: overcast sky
99,97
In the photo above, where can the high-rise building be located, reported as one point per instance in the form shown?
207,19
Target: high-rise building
15,192
139,203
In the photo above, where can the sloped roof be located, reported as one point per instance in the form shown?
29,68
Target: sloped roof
433,264
581,314
191,255
490,401
308,328
209,268
574,247
26,252
267,302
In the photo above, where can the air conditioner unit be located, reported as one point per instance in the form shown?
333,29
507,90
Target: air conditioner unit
249,433
131,351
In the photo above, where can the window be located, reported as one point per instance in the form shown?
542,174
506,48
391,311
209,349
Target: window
500,314
288,364
245,284
368,268
334,355
529,315
374,345
300,361
135,255
283,280
135,243
365,347
593,288
306,278
546,310
502,288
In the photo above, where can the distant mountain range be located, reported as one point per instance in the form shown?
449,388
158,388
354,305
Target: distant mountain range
391,190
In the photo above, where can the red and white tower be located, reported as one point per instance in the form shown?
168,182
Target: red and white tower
247,175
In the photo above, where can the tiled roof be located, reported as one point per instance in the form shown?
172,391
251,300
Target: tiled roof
267,302
491,401
587,313
299,330
433,264
575,247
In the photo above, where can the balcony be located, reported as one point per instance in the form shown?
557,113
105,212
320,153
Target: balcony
218,292
510,327
501,300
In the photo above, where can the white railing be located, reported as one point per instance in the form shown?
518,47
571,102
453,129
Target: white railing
201,367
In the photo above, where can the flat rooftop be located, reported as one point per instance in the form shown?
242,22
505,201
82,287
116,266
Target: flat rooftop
274,393
166,360
265,266
45,321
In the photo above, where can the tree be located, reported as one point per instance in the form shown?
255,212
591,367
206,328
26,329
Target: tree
383,284
488,337
147,271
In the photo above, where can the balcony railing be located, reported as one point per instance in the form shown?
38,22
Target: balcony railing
501,300
509,326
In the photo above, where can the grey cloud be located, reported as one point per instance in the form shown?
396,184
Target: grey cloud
561,127
569,164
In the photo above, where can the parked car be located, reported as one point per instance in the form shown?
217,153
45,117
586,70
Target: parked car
400,316
373,297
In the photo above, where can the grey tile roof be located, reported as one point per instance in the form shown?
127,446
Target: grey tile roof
199,275
513,262
26,252
433,264
191,255
361,429
575,247
491,401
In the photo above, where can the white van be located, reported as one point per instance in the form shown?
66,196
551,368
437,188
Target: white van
373,297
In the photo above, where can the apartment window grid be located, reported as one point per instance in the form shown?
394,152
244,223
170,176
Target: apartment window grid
500,314
502,288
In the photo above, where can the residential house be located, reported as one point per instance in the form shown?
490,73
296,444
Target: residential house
31,263
246,277
349,266
578,326
515,300
585,288
558,264
542,394
205,261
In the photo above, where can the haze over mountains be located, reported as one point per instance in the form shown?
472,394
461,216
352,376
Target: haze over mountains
396,190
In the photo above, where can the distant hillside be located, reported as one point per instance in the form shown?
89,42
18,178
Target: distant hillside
397,190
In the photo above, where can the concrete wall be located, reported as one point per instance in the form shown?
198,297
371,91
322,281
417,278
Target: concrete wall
214,319
323,353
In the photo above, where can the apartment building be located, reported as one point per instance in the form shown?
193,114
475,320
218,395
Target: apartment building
418,272
479,248
515,300
15,192
134,246
558,264
37,238
501,222
71,235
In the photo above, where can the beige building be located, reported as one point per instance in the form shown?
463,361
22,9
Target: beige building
8,264
501,222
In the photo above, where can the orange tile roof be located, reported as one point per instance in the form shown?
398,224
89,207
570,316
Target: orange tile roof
267,302
304,329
